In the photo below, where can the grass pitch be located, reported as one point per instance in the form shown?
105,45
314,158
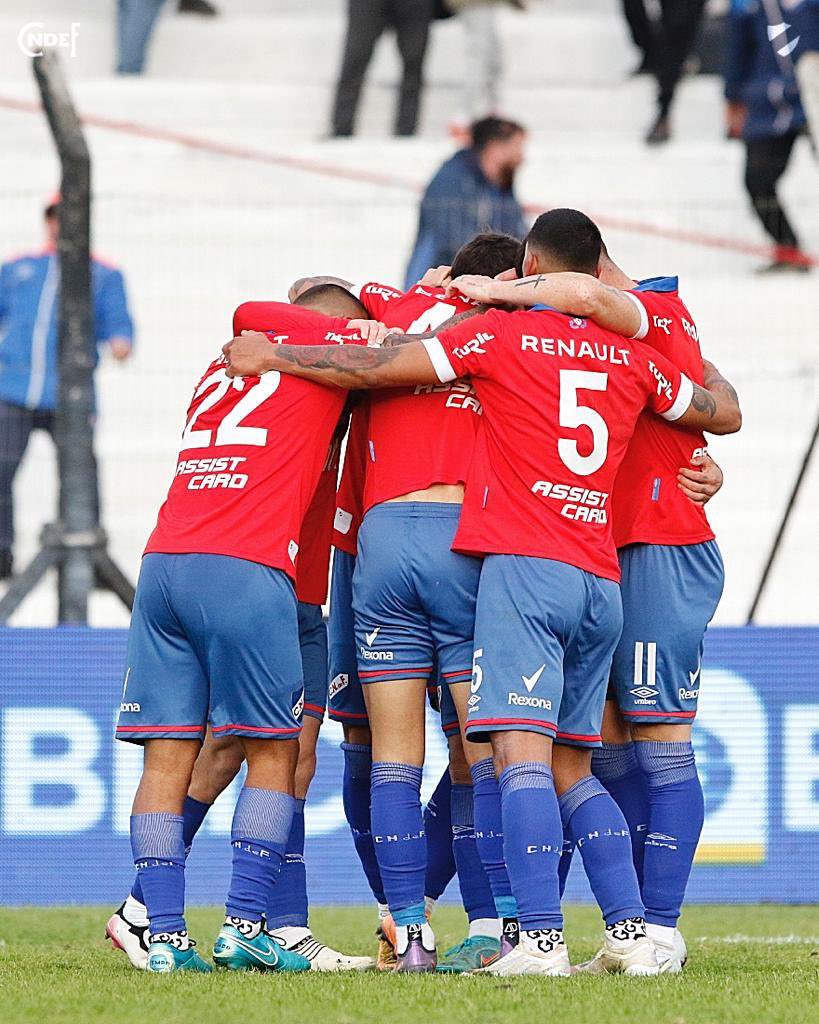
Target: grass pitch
746,965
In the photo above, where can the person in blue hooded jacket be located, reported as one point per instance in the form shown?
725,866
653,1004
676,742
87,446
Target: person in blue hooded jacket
471,193
29,301
764,42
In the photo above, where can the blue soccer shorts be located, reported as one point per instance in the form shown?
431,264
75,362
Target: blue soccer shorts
545,633
413,597
313,646
216,639
670,595
344,697
449,713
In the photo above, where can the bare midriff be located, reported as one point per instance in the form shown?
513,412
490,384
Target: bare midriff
452,494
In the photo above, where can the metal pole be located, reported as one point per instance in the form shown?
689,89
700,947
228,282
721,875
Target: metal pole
75,402
780,533
76,545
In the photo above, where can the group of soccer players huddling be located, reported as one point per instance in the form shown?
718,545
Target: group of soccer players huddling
520,538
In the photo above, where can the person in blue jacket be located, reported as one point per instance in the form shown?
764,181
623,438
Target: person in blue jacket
472,192
29,301
765,39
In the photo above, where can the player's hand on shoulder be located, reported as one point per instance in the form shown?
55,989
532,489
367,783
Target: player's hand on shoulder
701,483
473,286
372,331
246,355
436,277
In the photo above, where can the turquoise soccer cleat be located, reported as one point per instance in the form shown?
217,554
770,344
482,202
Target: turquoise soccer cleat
470,955
236,952
163,958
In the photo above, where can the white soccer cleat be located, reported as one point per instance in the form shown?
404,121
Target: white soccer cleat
127,929
672,953
537,952
627,949
321,957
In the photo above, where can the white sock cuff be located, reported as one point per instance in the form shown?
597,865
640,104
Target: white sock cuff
487,926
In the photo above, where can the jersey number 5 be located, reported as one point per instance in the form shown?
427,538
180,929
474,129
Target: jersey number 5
230,430
573,414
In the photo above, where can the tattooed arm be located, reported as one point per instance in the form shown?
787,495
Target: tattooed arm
396,338
347,366
713,408
714,381
568,292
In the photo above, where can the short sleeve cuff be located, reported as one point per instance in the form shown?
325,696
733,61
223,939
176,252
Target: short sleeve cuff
642,331
356,289
684,395
439,359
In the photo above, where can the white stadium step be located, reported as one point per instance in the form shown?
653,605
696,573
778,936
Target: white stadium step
197,230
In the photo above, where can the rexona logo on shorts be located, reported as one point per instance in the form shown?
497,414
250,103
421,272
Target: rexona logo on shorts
369,655
525,701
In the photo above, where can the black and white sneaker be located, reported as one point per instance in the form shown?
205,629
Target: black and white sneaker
322,957
627,949
127,929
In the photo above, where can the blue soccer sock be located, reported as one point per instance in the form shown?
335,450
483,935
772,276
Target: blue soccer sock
438,828
599,831
398,833
533,839
193,814
358,762
615,765
259,833
674,826
476,893
489,835
565,860
159,857
289,907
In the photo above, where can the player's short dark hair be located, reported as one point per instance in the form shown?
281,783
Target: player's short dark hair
493,129
488,253
569,238
520,255
332,300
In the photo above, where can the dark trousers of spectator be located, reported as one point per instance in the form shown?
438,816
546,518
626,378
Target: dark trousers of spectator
642,29
16,425
367,20
765,163
680,21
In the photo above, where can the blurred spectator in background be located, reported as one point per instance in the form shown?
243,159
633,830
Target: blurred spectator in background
197,7
366,21
484,60
136,20
472,192
765,111
672,43
29,301
643,32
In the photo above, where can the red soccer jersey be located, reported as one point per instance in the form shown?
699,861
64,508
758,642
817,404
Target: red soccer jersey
423,435
350,497
313,567
647,505
252,451
561,398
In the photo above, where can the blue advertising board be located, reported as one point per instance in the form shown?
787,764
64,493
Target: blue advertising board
66,785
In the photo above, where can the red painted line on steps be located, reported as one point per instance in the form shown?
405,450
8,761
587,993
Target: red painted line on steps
382,179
